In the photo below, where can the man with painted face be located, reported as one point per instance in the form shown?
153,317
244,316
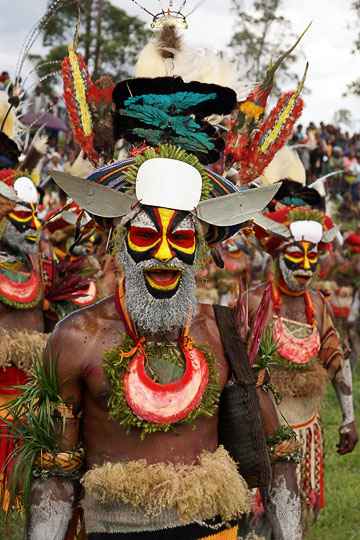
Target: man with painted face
171,421
147,376
21,293
309,350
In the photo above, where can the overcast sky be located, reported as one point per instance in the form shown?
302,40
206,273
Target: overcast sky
327,45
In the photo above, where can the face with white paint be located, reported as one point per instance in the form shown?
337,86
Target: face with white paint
158,258
297,265
22,230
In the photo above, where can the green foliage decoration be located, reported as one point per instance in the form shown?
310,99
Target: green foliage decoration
299,214
284,433
29,418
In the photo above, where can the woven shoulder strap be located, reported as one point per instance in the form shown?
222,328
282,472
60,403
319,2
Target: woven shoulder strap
234,348
240,426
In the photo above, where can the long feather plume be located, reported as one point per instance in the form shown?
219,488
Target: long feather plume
285,165
253,140
240,311
258,324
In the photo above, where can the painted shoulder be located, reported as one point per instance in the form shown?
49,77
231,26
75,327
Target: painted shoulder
83,325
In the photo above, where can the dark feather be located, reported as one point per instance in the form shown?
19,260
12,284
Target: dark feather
9,150
102,109
169,38
292,189
218,260
31,160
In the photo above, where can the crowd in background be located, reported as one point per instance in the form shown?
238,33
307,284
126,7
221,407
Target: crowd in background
327,149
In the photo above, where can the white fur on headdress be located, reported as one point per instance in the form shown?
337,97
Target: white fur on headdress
81,167
33,161
201,64
286,164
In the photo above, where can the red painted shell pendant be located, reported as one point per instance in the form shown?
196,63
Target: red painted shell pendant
166,403
296,350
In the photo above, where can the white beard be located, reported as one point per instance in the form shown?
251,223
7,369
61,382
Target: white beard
289,279
157,315
16,240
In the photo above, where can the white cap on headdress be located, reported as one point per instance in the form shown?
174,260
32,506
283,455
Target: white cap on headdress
308,231
168,183
25,189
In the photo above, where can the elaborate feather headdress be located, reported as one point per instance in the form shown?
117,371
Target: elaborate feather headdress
277,229
254,139
169,115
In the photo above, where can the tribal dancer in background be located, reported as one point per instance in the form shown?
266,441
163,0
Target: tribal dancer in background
308,346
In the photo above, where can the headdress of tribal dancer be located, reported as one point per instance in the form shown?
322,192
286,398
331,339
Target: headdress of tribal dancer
164,194
171,117
287,168
20,228
303,231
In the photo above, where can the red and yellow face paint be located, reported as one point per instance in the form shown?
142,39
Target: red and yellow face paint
300,261
162,234
24,218
302,255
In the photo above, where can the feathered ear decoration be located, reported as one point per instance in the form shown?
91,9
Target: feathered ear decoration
254,140
89,106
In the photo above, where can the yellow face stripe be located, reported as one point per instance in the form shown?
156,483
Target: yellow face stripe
35,222
164,252
164,239
305,258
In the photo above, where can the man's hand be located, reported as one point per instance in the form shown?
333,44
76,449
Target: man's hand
348,438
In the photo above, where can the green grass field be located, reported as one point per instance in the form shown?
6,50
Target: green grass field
340,519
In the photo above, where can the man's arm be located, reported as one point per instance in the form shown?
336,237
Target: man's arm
332,357
53,499
281,498
343,388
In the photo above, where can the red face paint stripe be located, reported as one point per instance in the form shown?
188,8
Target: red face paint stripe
143,237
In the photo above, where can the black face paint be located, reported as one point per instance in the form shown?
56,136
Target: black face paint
25,219
162,236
